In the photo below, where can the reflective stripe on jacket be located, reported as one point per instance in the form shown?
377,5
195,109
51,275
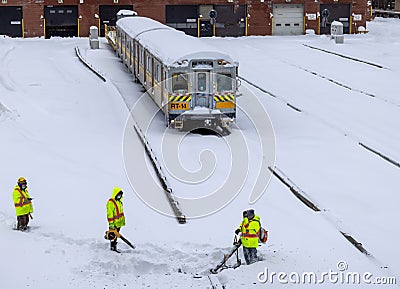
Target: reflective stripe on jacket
250,231
115,211
21,200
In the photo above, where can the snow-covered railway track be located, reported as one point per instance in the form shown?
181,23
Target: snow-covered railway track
313,205
306,200
343,131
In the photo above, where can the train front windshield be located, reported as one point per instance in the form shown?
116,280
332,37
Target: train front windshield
179,83
224,82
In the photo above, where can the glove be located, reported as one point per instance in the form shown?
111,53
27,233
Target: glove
237,231
30,199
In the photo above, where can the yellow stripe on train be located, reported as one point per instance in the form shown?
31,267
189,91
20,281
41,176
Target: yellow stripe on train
224,104
180,97
224,97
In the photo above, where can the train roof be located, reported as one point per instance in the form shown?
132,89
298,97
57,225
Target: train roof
171,46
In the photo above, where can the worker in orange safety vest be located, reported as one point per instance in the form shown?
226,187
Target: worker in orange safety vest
23,204
249,229
115,214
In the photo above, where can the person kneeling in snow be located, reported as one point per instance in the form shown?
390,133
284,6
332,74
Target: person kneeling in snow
115,214
249,228
23,204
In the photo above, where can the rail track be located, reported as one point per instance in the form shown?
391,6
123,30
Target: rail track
305,198
153,159
361,143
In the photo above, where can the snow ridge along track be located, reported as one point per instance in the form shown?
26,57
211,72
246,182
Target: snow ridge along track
347,57
88,65
346,86
270,94
362,144
302,196
163,180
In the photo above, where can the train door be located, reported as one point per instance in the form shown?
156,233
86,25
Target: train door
131,51
203,89
144,67
137,59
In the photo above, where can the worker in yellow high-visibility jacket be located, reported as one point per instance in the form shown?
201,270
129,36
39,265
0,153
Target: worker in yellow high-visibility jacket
115,214
22,203
249,228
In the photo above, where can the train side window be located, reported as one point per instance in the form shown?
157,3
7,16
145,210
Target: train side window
224,82
148,63
179,83
157,72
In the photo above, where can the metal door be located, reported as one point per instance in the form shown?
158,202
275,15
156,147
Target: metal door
61,21
108,15
332,12
182,17
11,21
206,28
203,89
288,19
231,20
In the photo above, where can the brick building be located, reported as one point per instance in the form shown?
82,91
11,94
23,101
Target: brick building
33,18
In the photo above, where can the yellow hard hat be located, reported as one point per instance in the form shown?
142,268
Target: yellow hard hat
21,180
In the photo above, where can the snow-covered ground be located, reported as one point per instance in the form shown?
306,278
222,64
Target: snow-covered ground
64,130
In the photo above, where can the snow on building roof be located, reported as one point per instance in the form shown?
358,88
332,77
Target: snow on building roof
167,44
337,23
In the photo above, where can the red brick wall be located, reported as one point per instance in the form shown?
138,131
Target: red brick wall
259,22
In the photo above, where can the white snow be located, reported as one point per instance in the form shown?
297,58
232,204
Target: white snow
63,129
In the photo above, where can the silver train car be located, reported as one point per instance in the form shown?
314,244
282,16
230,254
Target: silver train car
194,84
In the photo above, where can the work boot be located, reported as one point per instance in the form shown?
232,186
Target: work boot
22,227
113,247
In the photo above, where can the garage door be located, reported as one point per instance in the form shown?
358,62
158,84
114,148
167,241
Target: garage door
334,12
288,19
231,20
61,21
182,17
11,21
108,15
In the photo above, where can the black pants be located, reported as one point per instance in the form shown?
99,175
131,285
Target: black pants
250,255
23,221
114,242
